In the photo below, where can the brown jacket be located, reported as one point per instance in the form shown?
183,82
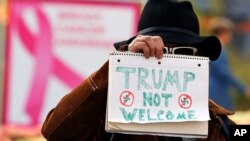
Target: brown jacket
80,115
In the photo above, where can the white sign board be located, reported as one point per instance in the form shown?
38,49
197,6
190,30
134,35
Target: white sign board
50,45
173,89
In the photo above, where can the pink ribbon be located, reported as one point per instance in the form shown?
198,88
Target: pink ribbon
40,47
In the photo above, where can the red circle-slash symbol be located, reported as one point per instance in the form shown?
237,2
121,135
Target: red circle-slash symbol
185,101
127,98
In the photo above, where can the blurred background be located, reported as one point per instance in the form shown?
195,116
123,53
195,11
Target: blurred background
77,31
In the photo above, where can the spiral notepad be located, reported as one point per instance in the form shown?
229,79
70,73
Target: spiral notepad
167,96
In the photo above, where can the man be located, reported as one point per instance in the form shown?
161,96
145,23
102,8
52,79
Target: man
80,115
221,77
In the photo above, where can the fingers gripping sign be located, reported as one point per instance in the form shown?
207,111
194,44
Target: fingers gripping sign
159,46
149,45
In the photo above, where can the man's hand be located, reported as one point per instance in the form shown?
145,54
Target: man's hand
149,45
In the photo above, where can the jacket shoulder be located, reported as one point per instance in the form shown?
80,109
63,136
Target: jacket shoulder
217,110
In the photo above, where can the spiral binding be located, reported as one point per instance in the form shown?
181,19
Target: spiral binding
129,53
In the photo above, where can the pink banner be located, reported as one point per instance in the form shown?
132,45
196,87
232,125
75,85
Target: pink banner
41,49
40,46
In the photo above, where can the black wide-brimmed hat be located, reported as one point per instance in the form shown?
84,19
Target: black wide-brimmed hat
175,22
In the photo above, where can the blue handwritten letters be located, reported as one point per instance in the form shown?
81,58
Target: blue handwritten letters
170,77
153,88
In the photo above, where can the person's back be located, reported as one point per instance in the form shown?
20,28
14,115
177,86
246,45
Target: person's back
219,84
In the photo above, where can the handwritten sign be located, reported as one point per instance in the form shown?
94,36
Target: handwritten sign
174,89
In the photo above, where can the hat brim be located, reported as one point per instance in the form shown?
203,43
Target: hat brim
208,46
